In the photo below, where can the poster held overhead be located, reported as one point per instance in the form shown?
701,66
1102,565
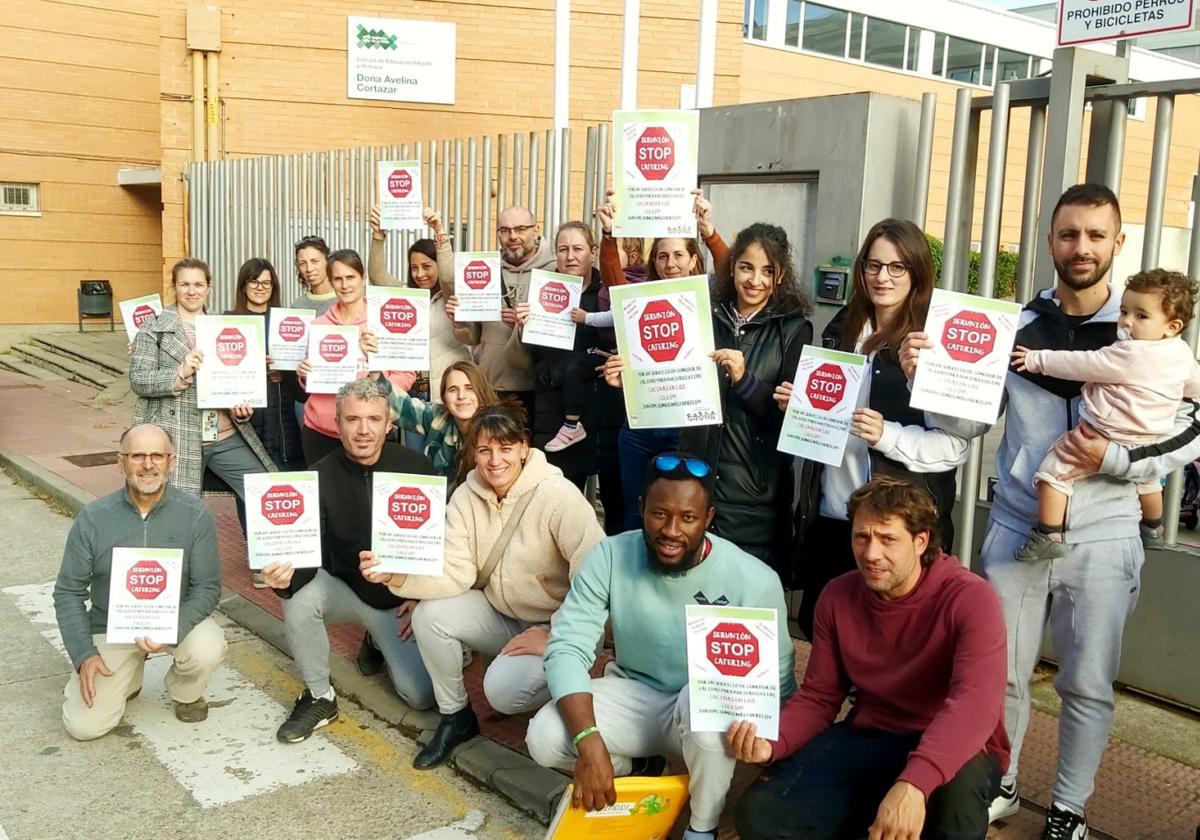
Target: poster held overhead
400,206
655,164
399,317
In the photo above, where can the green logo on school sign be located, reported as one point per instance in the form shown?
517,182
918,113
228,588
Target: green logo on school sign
375,39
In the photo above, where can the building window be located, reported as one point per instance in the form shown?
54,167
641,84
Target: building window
824,30
792,35
964,61
1012,65
17,199
758,19
854,46
886,43
912,52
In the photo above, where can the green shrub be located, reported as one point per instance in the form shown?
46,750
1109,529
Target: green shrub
1006,269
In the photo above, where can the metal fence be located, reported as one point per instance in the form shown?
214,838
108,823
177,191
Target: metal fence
260,206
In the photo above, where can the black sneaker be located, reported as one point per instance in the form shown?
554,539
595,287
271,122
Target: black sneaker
651,765
1062,824
370,658
308,714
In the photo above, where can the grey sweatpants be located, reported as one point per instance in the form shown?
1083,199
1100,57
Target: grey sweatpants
637,720
1087,596
230,460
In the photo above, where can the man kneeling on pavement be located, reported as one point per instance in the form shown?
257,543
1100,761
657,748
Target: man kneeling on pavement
625,722
337,593
921,640
145,513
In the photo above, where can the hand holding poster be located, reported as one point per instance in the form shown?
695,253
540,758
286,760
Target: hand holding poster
399,317
283,519
551,298
408,523
733,668
287,344
400,205
665,336
139,311
963,374
655,160
234,370
478,286
335,358
143,595
824,394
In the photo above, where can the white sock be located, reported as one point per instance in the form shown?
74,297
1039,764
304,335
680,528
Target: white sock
329,695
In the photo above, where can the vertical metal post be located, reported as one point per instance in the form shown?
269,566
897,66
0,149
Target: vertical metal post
445,205
431,181
920,204
1118,118
485,223
550,190
601,177
706,54
993,207
564,177
458,191
1032,201
518,185
472,195
1164,115
959,153
535,143
501,176
631,25
589,173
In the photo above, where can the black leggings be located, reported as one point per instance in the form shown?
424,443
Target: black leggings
827,554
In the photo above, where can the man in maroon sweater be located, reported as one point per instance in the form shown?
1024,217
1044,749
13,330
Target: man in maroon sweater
921,641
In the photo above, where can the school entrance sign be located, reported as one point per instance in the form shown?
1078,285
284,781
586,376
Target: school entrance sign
1087,21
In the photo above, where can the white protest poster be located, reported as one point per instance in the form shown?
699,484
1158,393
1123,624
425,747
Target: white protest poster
478,285
400,205
143,595
655,160
283,519
399,317
408,522
234,370
824,393
136,312
287,342
400,60
665,335
551,298
733,668
335,357
963,374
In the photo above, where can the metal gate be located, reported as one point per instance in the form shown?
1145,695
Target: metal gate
260,206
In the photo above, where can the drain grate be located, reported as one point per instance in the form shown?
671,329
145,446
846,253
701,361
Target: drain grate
92,459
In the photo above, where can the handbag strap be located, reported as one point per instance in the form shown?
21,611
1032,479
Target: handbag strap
506,535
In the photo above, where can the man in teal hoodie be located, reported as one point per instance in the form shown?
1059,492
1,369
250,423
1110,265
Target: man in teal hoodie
643,582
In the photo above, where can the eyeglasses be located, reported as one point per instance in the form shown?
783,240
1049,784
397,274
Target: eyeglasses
519,230
668,463
156,458
259,284
894,269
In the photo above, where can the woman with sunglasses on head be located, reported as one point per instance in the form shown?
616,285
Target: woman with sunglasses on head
893,283
319,436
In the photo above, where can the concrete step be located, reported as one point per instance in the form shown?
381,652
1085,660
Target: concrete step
71,367
101,351
15,365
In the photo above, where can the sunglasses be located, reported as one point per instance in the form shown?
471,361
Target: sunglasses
667,463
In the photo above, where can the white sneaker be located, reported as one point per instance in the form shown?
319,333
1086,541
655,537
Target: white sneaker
1006,803
566,437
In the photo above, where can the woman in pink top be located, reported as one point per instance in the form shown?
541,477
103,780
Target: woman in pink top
319,436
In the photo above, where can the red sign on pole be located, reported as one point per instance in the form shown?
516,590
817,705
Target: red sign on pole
408,508
826,386
333,348
398,315
283,504
654,153
969,336
146,580
732,649
660,329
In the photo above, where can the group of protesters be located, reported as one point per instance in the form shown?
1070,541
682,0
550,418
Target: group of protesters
540,576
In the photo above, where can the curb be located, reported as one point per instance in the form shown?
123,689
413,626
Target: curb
509,774
63,492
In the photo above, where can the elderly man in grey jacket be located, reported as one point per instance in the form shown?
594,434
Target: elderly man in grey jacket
145,513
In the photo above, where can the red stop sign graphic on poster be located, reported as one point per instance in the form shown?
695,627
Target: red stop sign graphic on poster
732,649
291,328
400,183
231,346
333,348
554,297
146,580
826,386
660,329
477,275
409,508
969,336
283,504
141,315
398,315
654,154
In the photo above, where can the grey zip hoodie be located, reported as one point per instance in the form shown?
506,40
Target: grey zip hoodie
179,520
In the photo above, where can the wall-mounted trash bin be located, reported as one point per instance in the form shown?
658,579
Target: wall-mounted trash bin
95,300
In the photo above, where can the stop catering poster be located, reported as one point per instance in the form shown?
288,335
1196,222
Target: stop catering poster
283,519
551,298
399,317
288,342
665,335
963,374
139,311
408,522
824,394
400,205
234,370
733,668
655,161
143,595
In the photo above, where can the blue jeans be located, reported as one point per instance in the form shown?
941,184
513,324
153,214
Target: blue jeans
635,448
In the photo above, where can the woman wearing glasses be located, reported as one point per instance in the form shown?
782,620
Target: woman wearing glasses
893,283
276,425
162,373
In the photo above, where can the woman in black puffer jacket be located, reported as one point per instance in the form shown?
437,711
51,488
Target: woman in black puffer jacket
760,324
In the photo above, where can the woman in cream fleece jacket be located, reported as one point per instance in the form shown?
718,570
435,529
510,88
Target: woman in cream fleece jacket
505,613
